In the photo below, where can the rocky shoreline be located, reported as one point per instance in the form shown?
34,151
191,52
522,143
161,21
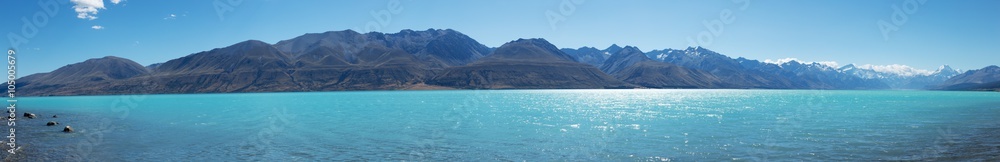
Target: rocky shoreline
48,136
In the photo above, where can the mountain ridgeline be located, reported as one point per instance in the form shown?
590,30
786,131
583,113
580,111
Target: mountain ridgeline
985,79
448,59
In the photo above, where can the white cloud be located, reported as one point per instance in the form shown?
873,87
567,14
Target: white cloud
170,17
87,9
897,69
781,61
832,64
116,1
97,27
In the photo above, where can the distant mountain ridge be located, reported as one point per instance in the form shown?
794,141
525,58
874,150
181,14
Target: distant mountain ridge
629,64
987,78
448,59
78,75
588,55
902,80
527,63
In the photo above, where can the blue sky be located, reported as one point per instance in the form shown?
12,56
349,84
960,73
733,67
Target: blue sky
964,34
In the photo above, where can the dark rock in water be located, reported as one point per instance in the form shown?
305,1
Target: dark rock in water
68,129
51,123
55,116
29,115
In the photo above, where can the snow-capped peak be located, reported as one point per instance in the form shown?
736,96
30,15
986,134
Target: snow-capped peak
693,51
946,70
847,67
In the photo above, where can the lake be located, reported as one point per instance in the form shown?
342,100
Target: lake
516,125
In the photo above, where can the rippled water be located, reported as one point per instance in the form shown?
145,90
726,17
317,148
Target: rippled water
515,125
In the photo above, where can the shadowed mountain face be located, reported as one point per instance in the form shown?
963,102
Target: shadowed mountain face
614,48
435,48
92,70
245,66
626,57
987,78
731,72
527,63
247,56
588,55
454,49
347,60
591,55
73,76
632,66
529,50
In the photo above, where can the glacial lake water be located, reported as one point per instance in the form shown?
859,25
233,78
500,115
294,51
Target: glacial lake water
517,125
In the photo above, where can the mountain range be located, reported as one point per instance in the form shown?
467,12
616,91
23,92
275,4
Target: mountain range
448,59
983,79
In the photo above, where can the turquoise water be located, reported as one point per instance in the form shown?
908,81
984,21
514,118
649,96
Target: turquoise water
516,125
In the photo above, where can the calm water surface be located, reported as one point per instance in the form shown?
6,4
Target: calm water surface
516,125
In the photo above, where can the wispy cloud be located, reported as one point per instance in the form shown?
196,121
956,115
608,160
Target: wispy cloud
175,16
97,27
833,64
781,61
87,9
116,1
170,17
